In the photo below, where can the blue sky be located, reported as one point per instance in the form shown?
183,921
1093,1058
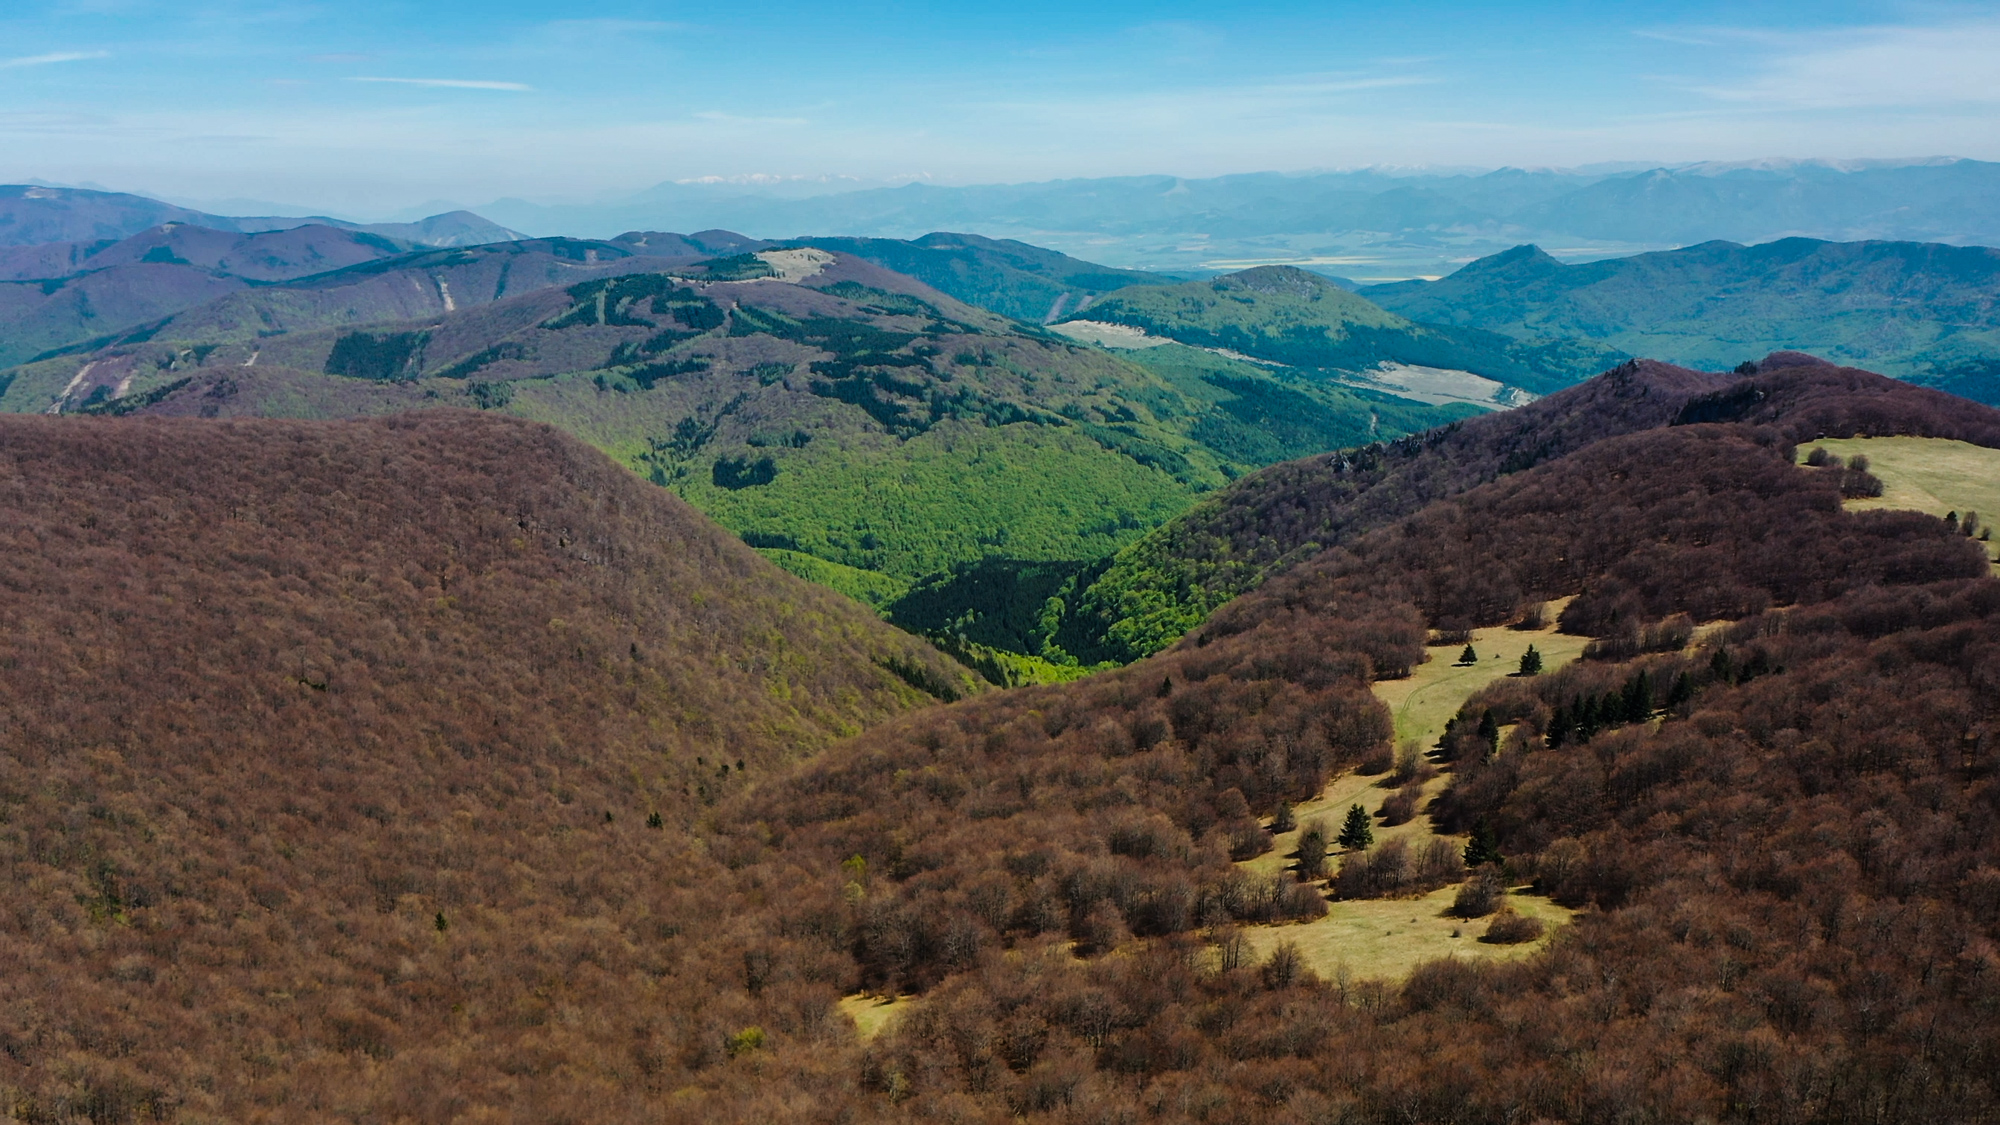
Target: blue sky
364,107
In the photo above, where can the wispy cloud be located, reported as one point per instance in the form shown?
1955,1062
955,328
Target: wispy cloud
450,83
53,57
1878,67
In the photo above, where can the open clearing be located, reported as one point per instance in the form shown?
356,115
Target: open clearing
1433,692
1383,939
1386,938
1107,335
872,1015
1439,386
1423,702
1931,475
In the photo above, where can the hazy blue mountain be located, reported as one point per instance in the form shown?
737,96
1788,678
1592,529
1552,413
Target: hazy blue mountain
1371,224
1951,201
1922,311
31,215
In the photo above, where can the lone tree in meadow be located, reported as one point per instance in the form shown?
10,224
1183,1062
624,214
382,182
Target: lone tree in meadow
1531,662
1312,851
1468,656
1282,820
1357,833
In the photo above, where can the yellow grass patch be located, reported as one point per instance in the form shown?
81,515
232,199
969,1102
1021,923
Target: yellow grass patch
1388,937
1433,692
1931,475
1384,939
872,1015
1423,702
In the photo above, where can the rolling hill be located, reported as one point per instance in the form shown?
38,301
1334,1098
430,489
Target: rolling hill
1004,276
289,704
1919,311
270,256
861,428
194,284
1168,582
1284,315
318,879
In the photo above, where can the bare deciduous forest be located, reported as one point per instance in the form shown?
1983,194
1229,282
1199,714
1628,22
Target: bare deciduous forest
316,812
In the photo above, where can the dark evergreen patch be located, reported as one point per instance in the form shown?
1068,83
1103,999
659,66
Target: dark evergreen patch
391,356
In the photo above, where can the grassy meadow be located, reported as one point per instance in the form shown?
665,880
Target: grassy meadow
1932,475
1386,938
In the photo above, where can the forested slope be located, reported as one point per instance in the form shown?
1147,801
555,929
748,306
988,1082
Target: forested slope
1169,581
865,430
1106,813
289,710
1286,315
1786,852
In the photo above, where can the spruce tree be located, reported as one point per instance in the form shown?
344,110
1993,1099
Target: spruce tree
1585,723
1560,723
1468,656
1639,698
1358,833
1281,821
1681,692
1531,662
1489,731
1483,847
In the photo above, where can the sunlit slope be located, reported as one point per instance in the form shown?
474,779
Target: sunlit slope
1286,315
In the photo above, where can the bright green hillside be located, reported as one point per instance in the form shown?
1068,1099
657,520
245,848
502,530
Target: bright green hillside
1290,316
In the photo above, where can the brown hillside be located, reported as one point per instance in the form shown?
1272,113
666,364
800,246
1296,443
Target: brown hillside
1718,974
318,741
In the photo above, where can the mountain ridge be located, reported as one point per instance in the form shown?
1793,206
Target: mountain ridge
1915,310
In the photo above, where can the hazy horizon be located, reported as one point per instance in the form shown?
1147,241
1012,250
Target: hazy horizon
379,108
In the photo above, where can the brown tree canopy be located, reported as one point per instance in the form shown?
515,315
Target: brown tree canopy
232,905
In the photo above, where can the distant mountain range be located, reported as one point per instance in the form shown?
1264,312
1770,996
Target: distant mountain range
32,215
1369,224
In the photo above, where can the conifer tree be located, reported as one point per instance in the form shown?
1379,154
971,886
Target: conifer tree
1281,821
1681,692
1639,698
1531,662
1468,656
1483,847
1312,851
1489,731
1357,833
1560,723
